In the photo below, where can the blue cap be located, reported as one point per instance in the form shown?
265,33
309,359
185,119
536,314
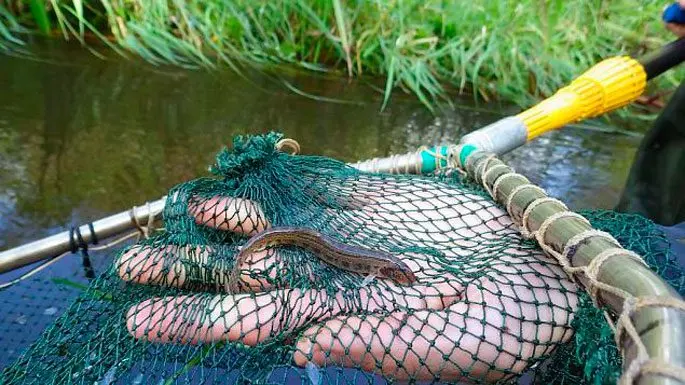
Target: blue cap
674,14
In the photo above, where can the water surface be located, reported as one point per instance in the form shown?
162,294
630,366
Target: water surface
81,137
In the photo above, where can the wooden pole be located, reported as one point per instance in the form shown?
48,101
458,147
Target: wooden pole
660,328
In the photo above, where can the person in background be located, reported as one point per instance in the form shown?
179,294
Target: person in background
674,17
656,183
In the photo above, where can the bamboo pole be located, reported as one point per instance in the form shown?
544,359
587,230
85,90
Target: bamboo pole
660,328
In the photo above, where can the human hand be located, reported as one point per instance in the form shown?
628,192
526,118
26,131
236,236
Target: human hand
485,303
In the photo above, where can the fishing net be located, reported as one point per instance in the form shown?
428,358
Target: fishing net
483,304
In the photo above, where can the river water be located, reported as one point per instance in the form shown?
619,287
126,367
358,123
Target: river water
82,137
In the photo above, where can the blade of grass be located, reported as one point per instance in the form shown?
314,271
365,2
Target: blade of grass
194,361
342,32
316,97
40,16
98,293
78,7
389,83
6,34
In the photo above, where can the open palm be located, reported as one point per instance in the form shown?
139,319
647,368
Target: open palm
485,304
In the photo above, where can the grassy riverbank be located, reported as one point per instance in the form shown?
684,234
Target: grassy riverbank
513,50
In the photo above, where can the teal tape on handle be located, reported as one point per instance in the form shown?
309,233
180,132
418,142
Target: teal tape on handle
429,162
467,150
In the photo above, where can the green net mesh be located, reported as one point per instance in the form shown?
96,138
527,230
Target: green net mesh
486,305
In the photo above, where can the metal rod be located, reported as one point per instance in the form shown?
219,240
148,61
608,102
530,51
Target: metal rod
661,329
61,243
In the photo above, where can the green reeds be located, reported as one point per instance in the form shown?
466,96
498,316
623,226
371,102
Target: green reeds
40,15
518,50
8,25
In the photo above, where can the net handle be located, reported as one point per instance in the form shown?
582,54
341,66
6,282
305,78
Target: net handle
606,86
648,315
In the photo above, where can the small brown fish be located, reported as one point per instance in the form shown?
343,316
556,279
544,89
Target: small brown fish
347,257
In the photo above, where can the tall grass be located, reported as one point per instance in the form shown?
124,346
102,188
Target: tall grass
517,50
8,27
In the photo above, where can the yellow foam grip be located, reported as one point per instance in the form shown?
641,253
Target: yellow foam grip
608,85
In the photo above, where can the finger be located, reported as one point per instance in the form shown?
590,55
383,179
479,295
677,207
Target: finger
229,214
198,267
245,318
251,318
183,266
166,265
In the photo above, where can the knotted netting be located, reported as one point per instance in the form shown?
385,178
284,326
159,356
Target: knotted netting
485,305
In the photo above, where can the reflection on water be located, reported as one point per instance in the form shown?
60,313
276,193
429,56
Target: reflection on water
81,137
